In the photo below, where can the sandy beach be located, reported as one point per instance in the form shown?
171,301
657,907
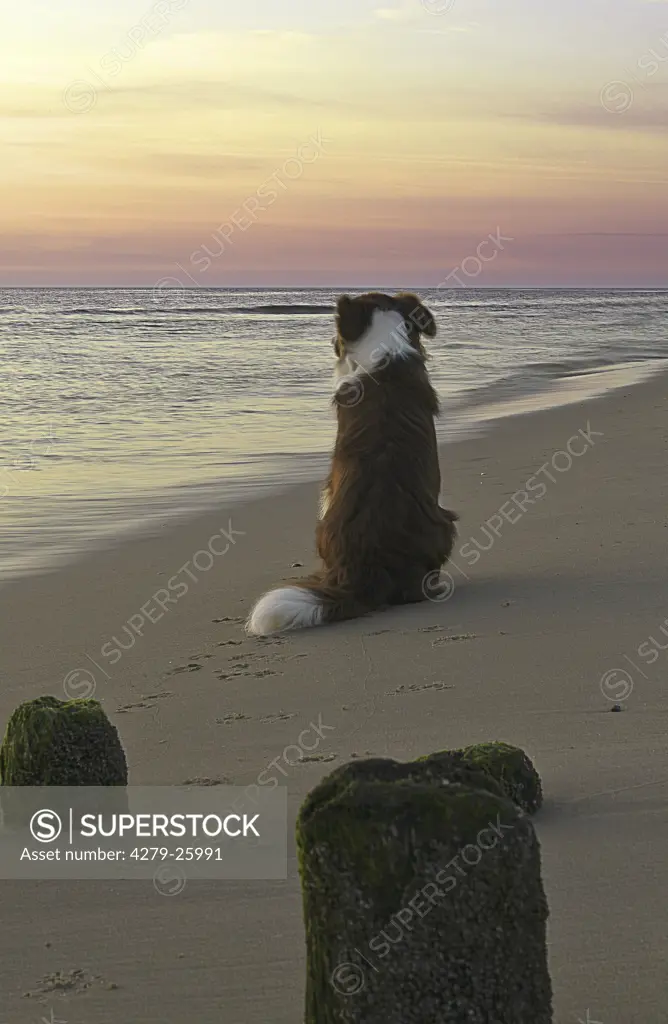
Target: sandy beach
558,579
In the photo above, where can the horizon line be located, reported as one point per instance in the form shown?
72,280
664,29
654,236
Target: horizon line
332,287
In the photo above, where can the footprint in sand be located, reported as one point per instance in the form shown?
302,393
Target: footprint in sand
402,691
227,619
205,782
317,757
133,707
124,708
192,666
239,674
265,657
71,982
230,643
280,716
242,664
232,716
453,639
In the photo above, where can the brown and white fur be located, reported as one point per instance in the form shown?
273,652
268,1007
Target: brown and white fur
381,530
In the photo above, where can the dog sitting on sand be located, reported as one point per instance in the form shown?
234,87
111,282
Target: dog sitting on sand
382,532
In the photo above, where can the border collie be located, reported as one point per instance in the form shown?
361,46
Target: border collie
381,531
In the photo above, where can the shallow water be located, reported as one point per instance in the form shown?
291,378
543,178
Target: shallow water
121,408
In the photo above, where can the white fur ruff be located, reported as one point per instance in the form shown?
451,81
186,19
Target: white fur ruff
287,608
385,340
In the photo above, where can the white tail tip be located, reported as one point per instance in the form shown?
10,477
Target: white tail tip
287,608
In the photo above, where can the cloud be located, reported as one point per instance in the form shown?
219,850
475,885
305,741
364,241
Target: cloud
221,94
33,113
605,234
163,95
203,165
393,14
412,14
635,118
288,37
445,31
31,102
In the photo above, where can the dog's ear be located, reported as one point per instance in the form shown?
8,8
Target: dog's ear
416,313
352,318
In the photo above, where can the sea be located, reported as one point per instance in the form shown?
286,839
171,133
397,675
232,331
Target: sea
121,409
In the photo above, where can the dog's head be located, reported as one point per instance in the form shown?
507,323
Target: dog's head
391,322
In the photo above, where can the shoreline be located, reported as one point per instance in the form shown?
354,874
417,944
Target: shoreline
525,651
463,418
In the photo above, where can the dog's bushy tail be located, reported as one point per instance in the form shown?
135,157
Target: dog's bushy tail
313,601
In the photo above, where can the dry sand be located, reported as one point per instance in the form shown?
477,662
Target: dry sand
567,592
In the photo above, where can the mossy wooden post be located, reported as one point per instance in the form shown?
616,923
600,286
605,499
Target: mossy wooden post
423,900
51,742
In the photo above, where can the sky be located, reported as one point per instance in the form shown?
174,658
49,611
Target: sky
454,143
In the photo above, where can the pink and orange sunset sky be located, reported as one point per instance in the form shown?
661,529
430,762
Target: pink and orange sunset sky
174,140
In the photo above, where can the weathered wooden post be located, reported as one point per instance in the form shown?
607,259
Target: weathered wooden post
51,742
423,899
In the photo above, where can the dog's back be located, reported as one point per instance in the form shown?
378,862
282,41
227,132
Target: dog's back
381,529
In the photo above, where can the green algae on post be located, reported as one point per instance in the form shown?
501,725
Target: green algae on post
511,768
51,742
423,901
446,767
497,767
451,766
